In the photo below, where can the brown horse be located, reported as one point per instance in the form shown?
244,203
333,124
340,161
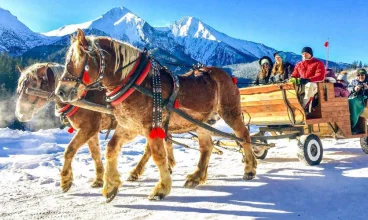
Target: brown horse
45,76
110,62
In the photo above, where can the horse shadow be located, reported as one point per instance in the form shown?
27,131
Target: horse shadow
303,193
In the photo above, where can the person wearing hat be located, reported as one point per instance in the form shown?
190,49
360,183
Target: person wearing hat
265,71
357,101
340,87
307,73
282,69
359,85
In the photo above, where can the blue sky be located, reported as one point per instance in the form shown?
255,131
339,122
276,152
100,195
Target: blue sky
282,24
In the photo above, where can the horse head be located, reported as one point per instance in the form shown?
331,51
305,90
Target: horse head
37,76
91,62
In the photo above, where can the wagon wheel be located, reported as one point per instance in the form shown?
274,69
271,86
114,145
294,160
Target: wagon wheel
260,153
364,144
310,149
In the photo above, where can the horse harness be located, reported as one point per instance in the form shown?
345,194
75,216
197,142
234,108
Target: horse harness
142,66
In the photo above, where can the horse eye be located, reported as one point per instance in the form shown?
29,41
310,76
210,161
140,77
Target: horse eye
34,85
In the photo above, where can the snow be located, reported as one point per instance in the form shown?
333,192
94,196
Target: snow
68,29
118,23
30,163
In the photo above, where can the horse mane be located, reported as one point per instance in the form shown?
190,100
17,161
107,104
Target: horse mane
31,72
124,52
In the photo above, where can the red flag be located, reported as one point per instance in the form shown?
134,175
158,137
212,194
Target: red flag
326,44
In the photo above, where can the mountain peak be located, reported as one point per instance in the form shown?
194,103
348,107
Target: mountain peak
117,12
192,27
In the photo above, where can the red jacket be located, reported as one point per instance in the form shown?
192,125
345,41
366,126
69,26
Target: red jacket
312,69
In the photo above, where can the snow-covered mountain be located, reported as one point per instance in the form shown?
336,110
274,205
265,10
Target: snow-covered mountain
185,42
119,23
15,37
192,32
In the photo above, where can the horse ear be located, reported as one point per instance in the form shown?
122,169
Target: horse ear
81,38
72,38
46,76
19,69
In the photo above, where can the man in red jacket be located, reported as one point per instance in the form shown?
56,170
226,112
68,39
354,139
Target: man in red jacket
308,72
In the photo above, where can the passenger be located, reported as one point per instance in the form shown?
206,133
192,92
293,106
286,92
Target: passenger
358,99
330,76
341,85
358,86
282,69
307,73
265,71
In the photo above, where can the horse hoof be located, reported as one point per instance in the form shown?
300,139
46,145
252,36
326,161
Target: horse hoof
65,188
132,177
156,197
97,184
110,196
249,176
191,184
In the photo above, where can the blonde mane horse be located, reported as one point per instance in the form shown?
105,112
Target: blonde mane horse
108,61
45,76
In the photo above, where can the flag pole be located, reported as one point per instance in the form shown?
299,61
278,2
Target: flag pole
327,51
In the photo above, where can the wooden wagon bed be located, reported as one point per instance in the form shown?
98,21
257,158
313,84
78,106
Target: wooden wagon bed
278,104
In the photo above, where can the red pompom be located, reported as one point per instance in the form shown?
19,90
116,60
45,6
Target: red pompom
157,133
71,130
235,80
161,133
86,79
153,134
176,104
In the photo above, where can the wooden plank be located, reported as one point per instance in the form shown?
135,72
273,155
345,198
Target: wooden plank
265,89
272,120
277,95
293,102
334,109
334,104
269,108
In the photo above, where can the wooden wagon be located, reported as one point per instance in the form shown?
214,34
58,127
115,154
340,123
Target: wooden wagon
277,110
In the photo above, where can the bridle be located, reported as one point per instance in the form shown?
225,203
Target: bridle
84,74
83,77
23,87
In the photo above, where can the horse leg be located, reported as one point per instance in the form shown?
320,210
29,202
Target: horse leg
234,120
139,168
163,187
94,148
170,155
66,173
111,177
205,147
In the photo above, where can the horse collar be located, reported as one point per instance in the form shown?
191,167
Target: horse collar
136,76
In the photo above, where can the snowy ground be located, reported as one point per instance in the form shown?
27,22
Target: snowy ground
284,188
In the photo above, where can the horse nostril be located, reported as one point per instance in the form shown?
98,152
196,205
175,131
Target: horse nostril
61,93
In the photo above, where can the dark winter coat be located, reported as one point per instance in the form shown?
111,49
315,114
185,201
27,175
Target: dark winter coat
264,80
288,69
355,83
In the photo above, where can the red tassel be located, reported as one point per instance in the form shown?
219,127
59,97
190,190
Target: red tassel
161,133
176,104
86,79
157,133
235,80
153,133
71,130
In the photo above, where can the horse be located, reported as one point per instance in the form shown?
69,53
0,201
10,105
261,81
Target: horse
118,67
45,76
